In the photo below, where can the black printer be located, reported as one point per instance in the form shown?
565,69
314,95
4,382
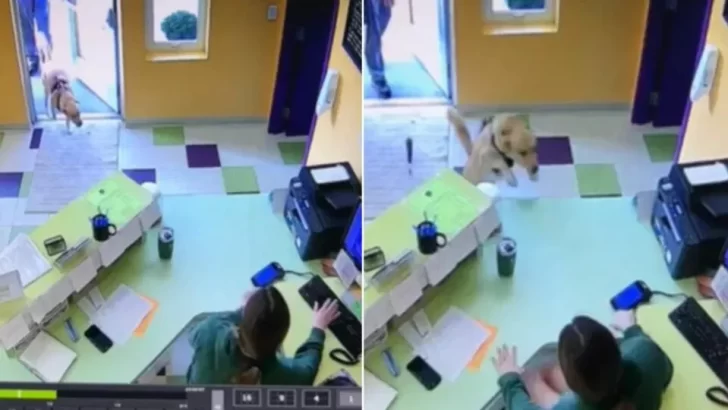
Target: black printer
690,218
321,201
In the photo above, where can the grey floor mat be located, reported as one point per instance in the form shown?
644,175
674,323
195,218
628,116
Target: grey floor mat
544,355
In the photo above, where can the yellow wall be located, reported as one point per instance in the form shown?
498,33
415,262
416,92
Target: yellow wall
705,135
337,136
236,80
592,58
12,104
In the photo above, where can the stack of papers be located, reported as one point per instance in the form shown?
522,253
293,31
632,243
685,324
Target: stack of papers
14,331
48,358
121,314
22,255
379,395
11,288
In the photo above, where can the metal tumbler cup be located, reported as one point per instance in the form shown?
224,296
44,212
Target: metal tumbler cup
166,243
506,259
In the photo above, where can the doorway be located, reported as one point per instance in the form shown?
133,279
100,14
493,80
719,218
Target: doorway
415,52
674,38
307,40
80,37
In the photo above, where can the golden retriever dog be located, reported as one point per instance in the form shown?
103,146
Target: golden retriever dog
504,140
59,96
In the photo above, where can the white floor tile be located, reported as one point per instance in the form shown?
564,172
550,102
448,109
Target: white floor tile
7,211
15,152
190,181
152,157
217,134
637,177
555,181
272,177
611,150
22,218
135,138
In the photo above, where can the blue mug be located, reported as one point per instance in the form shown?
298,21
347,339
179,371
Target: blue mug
429,240
102,228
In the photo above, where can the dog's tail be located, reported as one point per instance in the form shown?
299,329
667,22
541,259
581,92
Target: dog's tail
461,129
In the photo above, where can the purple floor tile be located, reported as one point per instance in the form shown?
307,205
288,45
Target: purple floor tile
10,183
142,175
203,156
35,138
554,151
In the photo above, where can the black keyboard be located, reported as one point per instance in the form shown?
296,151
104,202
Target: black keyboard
346,328
704,335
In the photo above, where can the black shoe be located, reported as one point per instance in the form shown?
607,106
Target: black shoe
383,91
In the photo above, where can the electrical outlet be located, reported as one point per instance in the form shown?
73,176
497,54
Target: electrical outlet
272,12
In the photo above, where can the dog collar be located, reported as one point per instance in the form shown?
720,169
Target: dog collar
508,160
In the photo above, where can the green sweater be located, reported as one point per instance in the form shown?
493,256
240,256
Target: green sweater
217,356
645,364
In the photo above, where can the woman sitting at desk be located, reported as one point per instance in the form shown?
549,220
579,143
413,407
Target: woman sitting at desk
595,372
242,347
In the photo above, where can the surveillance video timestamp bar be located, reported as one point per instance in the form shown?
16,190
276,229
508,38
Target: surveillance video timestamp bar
27,396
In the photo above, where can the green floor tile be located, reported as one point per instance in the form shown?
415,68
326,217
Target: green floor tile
661,147
169,135
292,152
597,180
25,184
240,180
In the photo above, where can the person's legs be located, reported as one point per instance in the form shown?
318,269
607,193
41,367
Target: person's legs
541,393
381,15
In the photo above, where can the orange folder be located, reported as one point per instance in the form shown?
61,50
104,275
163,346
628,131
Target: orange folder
479,356
142,328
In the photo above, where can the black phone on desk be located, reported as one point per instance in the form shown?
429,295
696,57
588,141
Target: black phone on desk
424,373
632,296
98,338
270,274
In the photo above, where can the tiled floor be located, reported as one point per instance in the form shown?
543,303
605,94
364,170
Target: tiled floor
581,153
203,159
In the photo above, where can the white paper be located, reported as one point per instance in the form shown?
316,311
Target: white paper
116,245
150,215
422,323
706,174
406,293
453,341
48,358
97,299
410,334
14,331
22,255
122,313
719,284
86,307
329,175
58,293
82,274
11,288
345,268
379,394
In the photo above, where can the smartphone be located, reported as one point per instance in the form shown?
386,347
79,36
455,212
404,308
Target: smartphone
632,296
55,245
267,276
424,373
373,258
98,339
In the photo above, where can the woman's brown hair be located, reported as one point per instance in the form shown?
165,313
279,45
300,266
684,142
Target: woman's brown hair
263,328
592,363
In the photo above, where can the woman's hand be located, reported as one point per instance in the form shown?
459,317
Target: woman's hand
506,361
325,314
623,320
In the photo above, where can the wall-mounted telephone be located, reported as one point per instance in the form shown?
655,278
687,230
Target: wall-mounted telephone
327,95
705,73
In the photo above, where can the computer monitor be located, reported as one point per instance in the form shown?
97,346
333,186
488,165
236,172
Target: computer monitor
352,240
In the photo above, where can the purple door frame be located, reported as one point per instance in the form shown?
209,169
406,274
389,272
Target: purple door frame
689,105
305,50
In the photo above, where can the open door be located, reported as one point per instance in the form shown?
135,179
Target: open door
93,40
430,27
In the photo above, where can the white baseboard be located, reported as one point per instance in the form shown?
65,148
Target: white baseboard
193,121
540,108
15,127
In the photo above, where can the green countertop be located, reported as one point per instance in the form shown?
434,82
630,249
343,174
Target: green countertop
573,256
220,242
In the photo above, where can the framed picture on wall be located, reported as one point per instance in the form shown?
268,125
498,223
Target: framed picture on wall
353,39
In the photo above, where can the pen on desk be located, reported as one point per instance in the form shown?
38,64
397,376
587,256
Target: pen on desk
408,143
391,364
71,331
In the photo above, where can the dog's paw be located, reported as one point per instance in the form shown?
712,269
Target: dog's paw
533,177
512,182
